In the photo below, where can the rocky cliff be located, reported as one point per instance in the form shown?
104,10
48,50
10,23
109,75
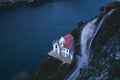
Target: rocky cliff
104,60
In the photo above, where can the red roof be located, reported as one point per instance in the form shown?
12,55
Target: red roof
68,39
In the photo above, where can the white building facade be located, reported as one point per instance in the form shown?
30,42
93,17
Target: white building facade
64,46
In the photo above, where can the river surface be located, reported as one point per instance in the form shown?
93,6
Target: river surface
26,33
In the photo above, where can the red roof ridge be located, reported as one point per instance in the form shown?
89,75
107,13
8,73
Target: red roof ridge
68,38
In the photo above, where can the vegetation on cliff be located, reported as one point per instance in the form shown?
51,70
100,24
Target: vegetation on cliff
51,69
76,34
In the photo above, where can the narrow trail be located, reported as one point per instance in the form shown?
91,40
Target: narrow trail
88,34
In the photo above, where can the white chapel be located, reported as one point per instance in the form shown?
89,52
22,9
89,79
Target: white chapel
64,46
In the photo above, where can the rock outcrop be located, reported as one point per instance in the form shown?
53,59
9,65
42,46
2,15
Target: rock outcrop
104,60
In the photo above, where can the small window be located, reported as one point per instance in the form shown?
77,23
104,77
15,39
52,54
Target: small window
55,46
60,43
67,55
66,50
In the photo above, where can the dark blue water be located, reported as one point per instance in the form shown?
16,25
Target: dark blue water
26,34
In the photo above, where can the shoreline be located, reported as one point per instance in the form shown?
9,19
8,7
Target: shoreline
29,3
